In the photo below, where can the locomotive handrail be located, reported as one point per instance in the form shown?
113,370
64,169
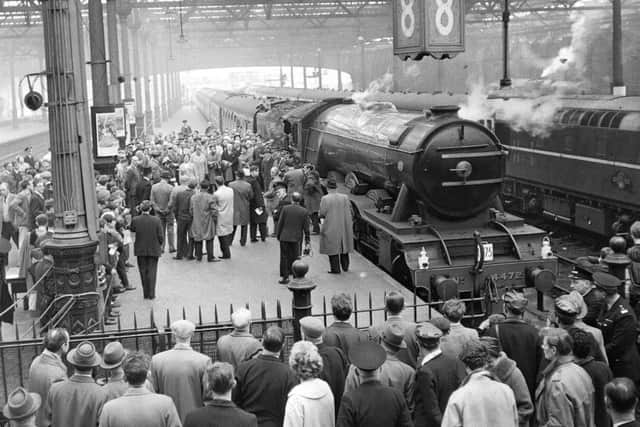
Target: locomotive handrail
513,239
472,182
445,249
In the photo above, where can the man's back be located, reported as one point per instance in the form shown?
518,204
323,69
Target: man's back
178,373
237,347
183,204
520,341
293,223
220,413
334,370
436,380
262,389
76,402
481,402
149,235
373,404
160,195
344,336
600,375
140,408
458,335
45,370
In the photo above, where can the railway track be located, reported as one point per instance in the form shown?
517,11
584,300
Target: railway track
9,150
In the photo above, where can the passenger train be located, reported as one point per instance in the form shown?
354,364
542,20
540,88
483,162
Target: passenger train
585,172
423,187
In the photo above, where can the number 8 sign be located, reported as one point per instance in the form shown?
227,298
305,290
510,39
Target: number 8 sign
428,27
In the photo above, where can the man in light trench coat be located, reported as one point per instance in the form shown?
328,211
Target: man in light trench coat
336,236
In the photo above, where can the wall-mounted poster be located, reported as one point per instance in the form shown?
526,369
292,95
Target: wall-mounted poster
108,127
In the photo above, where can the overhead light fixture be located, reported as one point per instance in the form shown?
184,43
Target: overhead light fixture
181,38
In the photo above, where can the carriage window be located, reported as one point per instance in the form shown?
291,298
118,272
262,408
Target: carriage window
586,117
617,119
574,119
595,118
564,119
606,119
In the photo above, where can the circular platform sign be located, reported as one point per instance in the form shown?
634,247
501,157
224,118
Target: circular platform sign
428,27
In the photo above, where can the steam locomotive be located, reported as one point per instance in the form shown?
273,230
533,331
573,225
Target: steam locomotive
424,192
584,172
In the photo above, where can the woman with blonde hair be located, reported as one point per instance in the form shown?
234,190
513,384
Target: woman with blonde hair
310,403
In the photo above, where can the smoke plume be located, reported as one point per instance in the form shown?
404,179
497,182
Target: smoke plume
570,63
533,115
383,84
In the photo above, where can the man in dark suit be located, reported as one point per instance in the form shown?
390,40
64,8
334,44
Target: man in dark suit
293,224
36,203
620,398
438,375
182,212
264,382
372,404
221,411
143,190
341,333
334,361
148,247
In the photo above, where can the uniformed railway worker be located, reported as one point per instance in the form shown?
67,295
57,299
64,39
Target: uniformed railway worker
619,328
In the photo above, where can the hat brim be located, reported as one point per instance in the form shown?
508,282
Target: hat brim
37,401
105,365
95,361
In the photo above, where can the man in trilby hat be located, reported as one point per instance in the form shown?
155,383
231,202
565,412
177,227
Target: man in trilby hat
78,401
21,408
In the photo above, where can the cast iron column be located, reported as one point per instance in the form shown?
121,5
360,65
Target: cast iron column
304,76
301,288
74,237
146,84
114,64
124,10
363,79
167,90
12,82
157,100
339,67
99,82
319,68
137,74
163,93
291,71
619,88
505,81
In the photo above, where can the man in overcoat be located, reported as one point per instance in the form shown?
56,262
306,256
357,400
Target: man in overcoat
240,344
203,226
264,382
179,372
242,195
181,204
48,368
138,406
224,200
336,235
78,401
372,404
147,247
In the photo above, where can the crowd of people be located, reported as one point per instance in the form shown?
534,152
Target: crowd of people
505,373
580,369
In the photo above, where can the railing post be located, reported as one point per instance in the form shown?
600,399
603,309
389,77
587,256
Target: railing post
301,288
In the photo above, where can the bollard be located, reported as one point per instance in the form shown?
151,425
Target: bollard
618,261
301,288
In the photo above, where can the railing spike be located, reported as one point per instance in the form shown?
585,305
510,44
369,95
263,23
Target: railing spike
119,324
263,311
324,310
199,315
168,319
152,320
135,321
215,313
184,313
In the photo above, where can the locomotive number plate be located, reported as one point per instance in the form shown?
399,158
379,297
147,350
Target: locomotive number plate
488,251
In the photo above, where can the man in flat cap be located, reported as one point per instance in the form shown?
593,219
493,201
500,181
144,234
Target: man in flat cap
78,401
519,339
334,361
393,372
567,309
147,247
373,403
438,375
179,372
112,357
618,324
240,344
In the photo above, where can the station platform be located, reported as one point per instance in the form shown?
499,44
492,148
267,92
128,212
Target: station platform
13,141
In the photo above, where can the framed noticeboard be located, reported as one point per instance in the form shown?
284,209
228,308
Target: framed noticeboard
108,126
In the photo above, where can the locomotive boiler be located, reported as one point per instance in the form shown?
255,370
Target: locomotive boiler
424,192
